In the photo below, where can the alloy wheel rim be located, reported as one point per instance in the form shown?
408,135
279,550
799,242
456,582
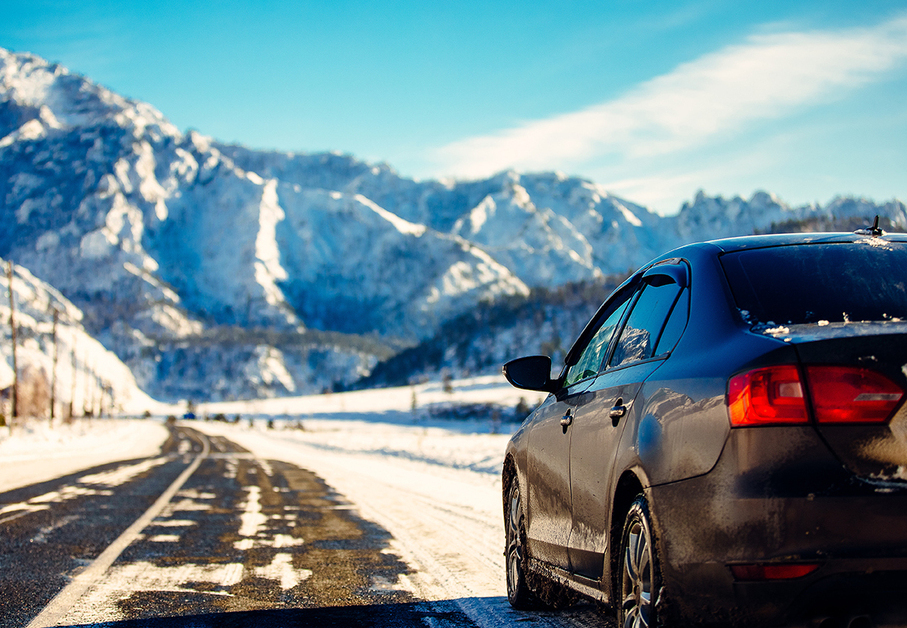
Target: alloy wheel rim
514,551
637,578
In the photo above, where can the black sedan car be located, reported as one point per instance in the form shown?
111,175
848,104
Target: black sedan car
726,443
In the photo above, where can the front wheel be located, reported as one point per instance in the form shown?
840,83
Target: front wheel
640,579
518,593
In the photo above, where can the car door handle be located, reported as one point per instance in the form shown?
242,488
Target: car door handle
618,412
567,421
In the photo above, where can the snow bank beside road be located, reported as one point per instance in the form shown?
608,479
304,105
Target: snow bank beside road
392,404
37,452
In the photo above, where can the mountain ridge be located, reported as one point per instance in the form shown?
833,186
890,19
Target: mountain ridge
163,238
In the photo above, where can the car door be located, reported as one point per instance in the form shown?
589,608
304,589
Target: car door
549,518
643,343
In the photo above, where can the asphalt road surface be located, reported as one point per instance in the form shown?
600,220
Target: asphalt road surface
202,535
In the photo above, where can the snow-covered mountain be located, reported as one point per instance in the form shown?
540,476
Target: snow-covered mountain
160,238
708,218
547,228
216,271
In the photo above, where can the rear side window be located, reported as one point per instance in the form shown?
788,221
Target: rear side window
677,322
640,336
808,283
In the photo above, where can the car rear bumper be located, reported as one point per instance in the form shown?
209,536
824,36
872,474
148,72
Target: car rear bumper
854,531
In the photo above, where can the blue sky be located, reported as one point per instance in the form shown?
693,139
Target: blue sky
654,100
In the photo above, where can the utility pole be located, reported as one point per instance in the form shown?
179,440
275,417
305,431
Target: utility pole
101,397
53,377
14,408
72,393
88,398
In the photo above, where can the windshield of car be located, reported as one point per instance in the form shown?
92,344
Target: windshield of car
814,283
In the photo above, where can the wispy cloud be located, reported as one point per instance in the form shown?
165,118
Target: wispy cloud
768,76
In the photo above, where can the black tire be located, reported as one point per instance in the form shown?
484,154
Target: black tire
639,582
518,593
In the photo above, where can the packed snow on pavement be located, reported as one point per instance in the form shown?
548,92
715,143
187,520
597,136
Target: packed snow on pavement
432,481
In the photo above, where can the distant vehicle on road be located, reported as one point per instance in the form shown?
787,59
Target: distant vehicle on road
726,443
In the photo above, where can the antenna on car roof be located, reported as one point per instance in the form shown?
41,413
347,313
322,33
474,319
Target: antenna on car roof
874,231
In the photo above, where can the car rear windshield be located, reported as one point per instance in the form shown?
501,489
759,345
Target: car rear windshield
809,283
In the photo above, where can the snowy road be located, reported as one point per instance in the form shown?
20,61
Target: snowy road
205,535
436,492
410,505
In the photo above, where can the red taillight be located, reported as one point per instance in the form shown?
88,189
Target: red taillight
843,394
840,394
767,396
772,571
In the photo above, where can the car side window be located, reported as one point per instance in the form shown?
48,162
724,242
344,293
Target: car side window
677,322
640,335
592,357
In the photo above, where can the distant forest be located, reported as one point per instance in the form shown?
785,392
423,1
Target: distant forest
544,322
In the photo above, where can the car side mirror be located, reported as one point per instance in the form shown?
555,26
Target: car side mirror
530,373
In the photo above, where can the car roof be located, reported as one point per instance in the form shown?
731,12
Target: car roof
728,245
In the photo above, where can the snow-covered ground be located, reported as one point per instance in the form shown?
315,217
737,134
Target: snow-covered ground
433,483
36,452
400,424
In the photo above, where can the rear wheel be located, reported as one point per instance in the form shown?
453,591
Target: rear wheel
518,593
640,581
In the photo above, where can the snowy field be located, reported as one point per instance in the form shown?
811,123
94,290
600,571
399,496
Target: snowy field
432,482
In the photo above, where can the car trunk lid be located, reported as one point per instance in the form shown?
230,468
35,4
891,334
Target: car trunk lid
856,379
